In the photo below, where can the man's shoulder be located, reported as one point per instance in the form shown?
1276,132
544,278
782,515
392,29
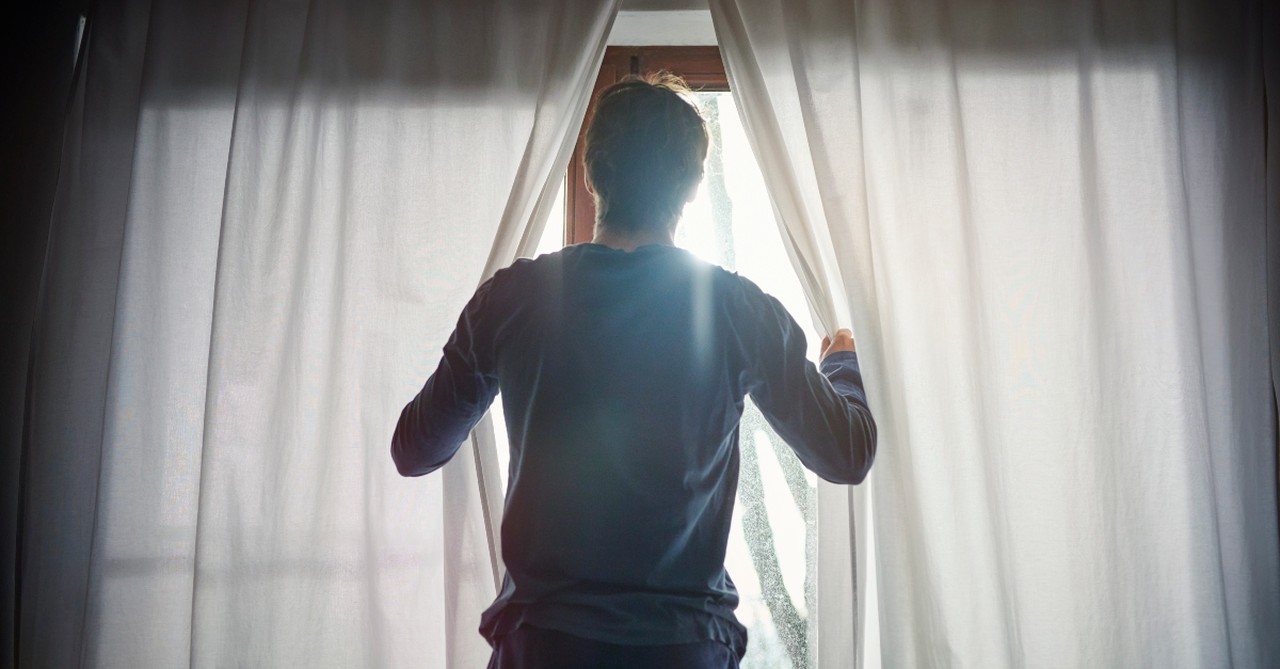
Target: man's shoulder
526,271
520,271
721,276
523,267
739,287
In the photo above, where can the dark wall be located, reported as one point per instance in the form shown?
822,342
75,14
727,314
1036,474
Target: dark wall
37,43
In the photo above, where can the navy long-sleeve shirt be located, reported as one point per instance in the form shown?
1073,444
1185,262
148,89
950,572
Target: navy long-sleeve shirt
623,376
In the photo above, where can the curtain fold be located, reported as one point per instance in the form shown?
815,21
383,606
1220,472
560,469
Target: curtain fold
269,216
1047,224
768,57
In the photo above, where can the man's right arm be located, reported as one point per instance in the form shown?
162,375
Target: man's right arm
454,399
824,415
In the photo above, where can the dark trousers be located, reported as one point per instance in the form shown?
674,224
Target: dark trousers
534,648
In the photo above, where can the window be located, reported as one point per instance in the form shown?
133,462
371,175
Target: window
772,544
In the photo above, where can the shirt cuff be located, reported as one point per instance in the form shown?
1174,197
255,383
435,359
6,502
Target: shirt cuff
842,370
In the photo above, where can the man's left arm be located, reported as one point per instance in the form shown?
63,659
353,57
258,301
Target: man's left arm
454,399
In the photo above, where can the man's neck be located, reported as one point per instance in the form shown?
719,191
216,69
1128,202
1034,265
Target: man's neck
665,235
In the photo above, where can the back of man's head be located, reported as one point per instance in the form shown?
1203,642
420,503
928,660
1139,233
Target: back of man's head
644,152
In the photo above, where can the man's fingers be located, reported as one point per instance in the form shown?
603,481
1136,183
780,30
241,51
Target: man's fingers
843,342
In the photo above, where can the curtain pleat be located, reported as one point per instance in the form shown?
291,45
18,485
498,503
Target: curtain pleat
270,215
1047,226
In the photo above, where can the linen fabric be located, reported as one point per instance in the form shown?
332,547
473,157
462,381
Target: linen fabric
1047,224
267,212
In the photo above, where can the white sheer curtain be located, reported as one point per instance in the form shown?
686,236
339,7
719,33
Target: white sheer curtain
270,215
1047,224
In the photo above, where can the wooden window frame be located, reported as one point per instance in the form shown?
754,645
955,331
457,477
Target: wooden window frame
700,66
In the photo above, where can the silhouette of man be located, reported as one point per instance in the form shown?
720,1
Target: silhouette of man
623,364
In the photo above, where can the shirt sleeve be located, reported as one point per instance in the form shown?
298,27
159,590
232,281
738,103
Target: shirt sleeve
823,416
455,397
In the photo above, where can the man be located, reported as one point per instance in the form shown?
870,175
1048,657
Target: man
623,365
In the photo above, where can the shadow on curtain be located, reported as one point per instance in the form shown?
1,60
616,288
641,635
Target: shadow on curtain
268,217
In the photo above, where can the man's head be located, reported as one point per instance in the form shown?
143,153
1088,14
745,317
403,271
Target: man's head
644,153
